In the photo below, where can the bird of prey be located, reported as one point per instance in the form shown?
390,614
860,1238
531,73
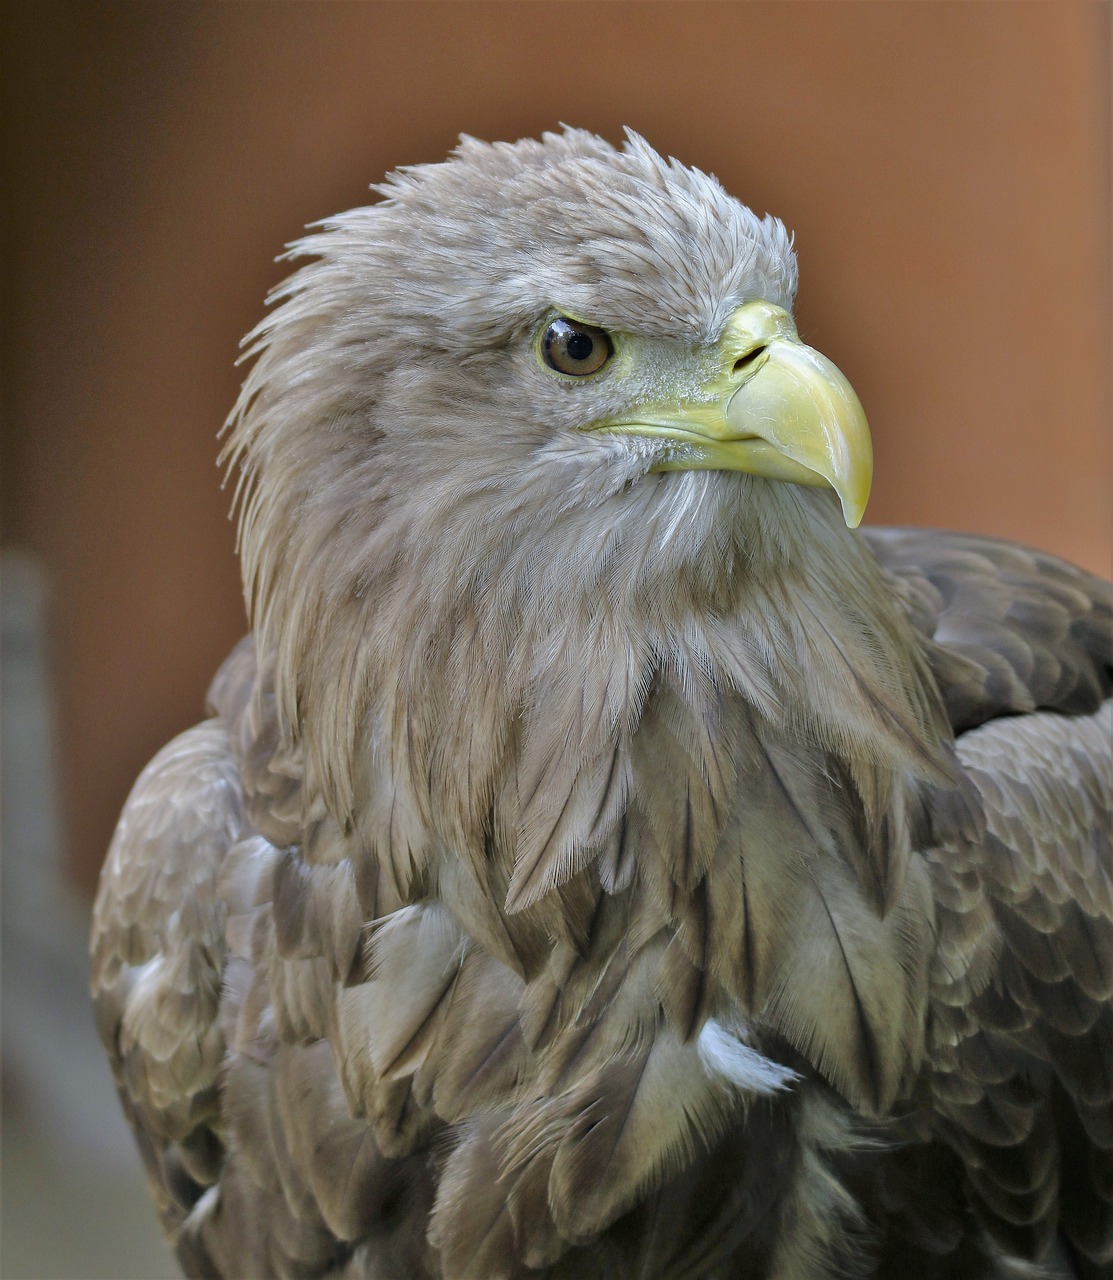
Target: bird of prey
602,859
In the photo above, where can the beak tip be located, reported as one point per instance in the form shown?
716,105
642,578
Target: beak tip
853,503
852,511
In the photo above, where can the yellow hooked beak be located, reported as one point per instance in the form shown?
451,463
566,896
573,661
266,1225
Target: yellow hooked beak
777,409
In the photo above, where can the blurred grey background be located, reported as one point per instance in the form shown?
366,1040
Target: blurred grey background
71,1192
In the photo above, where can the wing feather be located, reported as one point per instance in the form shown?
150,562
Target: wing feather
158,953
1009,630
1025,1067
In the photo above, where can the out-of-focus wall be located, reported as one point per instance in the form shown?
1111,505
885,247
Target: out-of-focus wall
946,169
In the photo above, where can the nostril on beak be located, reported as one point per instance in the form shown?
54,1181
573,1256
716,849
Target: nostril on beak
748,361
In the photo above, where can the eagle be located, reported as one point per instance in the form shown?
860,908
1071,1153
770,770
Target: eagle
602,859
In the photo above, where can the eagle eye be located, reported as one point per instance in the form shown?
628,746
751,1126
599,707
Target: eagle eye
574,348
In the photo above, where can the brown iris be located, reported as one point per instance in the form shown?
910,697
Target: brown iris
574,348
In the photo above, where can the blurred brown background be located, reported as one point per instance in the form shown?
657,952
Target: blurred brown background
945,167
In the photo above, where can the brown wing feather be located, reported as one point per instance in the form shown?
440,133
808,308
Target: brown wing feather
158,954
1023,1052
1009,629
1022,992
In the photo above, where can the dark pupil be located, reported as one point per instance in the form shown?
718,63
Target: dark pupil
580,345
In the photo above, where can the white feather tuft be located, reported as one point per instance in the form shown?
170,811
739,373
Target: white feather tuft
725,1057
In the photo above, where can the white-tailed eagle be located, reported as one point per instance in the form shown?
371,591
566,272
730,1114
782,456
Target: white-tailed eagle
603,860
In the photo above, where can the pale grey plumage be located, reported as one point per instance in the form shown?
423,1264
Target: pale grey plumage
579,875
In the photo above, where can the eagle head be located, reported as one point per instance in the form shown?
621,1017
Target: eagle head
542,388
